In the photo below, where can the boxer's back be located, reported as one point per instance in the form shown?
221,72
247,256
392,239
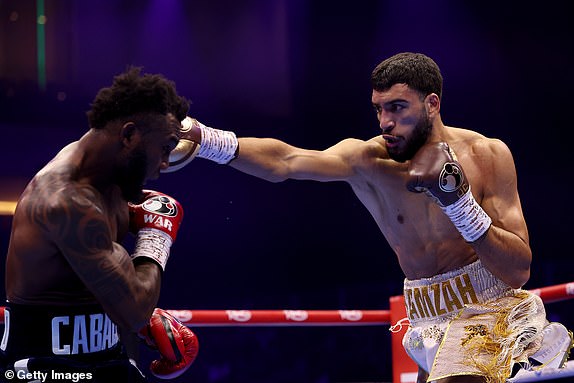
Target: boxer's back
37,271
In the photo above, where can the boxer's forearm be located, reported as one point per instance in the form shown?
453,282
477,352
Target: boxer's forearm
505,255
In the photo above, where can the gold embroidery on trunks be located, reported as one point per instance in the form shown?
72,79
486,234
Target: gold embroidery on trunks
440,298
433,332
473,331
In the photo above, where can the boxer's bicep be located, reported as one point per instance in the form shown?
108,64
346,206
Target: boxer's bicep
80,229
84,238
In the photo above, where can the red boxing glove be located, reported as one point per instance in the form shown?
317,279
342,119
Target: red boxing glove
156,221
158,211
176,343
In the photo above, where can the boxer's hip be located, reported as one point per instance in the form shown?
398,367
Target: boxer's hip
439,298
79,332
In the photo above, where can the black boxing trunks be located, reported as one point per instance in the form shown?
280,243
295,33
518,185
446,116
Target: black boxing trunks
53,343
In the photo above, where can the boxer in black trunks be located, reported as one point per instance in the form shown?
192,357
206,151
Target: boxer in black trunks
74,294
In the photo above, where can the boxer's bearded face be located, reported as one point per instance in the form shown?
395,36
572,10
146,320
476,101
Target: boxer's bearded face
133,176
418,138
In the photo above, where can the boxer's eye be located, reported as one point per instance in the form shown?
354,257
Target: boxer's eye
394,108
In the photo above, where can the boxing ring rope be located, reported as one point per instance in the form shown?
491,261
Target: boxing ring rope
282,317
200,318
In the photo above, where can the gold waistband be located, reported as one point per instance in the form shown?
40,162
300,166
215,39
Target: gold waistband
443,296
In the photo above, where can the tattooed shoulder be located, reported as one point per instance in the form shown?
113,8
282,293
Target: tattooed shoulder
72,215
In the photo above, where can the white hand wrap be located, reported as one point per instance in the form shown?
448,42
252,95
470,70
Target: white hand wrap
153,243
217,145
468,217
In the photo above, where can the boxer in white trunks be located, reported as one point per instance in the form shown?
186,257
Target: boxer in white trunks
446,200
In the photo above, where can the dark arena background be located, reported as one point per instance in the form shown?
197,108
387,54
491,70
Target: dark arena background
299,71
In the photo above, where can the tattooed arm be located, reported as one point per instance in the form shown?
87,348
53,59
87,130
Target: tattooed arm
82,230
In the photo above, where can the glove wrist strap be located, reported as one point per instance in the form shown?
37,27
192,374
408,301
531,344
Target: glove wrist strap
153,243
468,217
217,145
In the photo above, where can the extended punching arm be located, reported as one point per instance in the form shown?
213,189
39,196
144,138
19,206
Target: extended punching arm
199,140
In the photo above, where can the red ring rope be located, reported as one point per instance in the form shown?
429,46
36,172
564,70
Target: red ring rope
317,317
283,317
555,293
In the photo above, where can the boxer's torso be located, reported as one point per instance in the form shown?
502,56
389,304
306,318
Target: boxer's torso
422,236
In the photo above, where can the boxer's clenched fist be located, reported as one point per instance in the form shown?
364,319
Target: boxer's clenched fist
156,221
177,344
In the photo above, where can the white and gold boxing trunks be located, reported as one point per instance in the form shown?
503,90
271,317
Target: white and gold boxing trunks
468,322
